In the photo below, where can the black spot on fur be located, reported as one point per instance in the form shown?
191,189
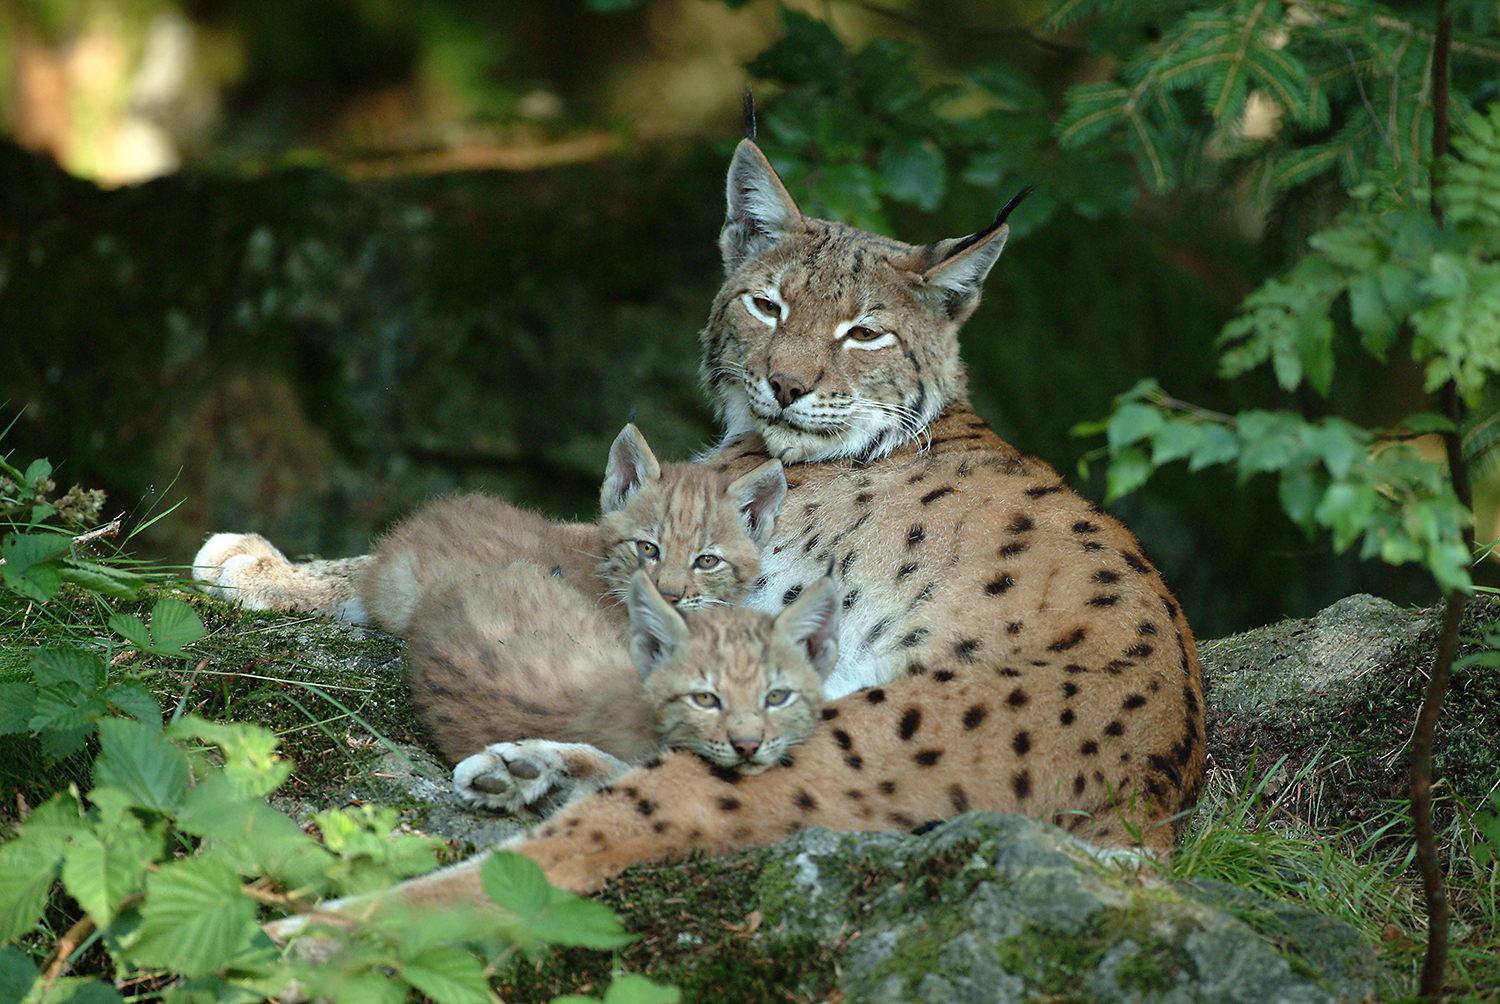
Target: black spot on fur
916,535
805,801
1114,728
1170,606
915,638
661,826
906,569
1014,627
911,720
1191,699
1104,576
812,542
1011,550
1104,600
943,675
863,499
1162,765
1021,743
915,669
958,798
829,714
847,562
725,774
645,806
1136,562
974,716
1020,524
1021,784
854,794
790,595
966,648
850,597
652,763
1139,651
854,761
999,585
926,758
1089,748
901,820
1146,627
1037,491
887,787
1079,783
1017,698
843,739
936,494
878,630
1132,702
1084,526
875,696
1068,641
1066,717
1092,545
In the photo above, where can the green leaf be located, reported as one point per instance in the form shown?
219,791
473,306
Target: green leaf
174,625
448,975
17,974
68,666
580,922
132,697
1128,470
1177,439
914,172
517,884
628,988
17,707
1219,446
28,569
29,863
194,918
81,990
100,869
1132,423
137,759
132,629
103,579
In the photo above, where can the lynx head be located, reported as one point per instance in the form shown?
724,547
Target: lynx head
831,341
697,533
735,686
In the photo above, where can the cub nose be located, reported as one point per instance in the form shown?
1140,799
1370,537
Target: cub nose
745,747
787,389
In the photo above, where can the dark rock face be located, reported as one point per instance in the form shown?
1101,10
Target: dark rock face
307,358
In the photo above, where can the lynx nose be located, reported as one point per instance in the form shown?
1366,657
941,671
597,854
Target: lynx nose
745,747
669,595
787,389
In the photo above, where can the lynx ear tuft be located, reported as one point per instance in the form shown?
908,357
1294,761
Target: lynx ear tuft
955,269
760,212
631,464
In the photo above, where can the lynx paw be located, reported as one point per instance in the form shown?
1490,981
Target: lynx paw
226,564
534,774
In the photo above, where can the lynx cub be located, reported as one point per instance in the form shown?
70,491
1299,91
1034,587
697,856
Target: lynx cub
1002,643
699,534
734,686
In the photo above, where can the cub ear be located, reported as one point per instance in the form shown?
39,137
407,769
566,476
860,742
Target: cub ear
760,494
631,464
761,213
656,628
812,621
953,270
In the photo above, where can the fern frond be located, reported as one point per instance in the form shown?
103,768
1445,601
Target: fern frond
1093,110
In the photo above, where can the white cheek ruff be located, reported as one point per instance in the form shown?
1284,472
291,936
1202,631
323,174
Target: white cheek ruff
748,299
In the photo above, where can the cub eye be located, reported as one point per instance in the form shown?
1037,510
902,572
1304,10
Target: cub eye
703,699
860,333
766,306
776,698
704,562
647,550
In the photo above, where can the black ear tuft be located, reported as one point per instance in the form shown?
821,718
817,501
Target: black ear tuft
747,106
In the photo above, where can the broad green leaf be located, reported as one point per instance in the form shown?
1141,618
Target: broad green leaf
194,918
1348,510
580,922
517,884
1219,446
103,579
132,629
914,172
36,471
1177,439
250,758
1132,423
174,625
61,743
17,706
30,861
448,975
1300,490
628,988
81,990
100,869
68,665
17,974
137,759
132,697
1128,470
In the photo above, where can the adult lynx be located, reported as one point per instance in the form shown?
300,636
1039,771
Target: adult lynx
1003,644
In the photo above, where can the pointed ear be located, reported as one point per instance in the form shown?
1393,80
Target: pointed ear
631,464
760,494
953,270
760,213
812,621
656,628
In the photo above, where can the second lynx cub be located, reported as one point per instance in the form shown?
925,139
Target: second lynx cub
735,686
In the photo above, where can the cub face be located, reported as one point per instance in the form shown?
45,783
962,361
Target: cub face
696,533
735,686
831,341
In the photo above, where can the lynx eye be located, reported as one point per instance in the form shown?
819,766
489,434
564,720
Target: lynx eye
703,699
776,698
765,306
647,550
705,562
860,333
